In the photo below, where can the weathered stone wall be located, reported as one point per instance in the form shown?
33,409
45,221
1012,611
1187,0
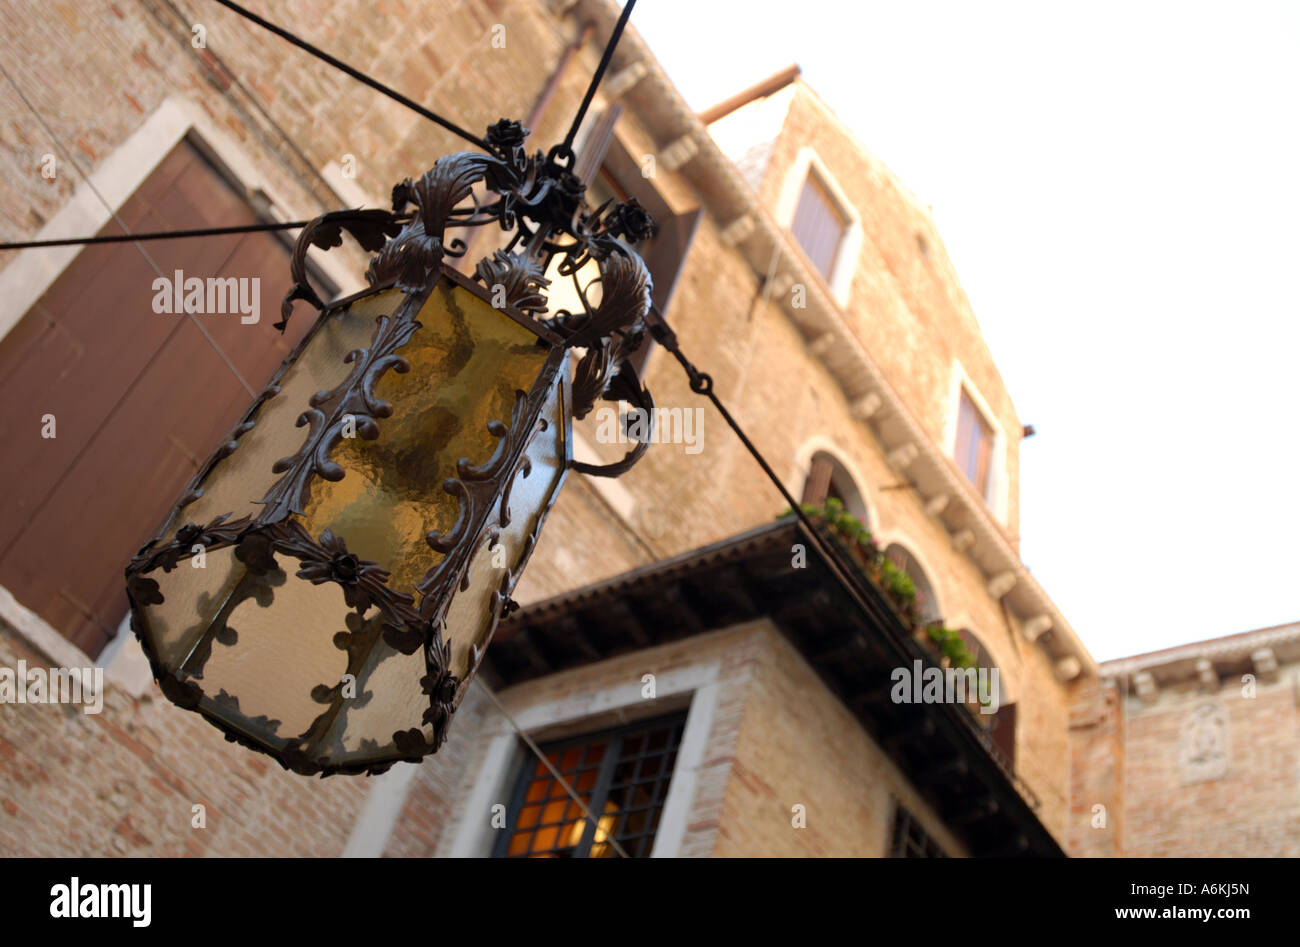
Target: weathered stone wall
1195,772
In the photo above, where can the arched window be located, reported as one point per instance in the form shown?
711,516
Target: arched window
1002,725
981,655
927,605
828,478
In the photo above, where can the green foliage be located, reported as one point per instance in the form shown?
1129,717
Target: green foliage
894,582
897,582
951,646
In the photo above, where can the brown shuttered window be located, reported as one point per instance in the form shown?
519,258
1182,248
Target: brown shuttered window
818,225
139,398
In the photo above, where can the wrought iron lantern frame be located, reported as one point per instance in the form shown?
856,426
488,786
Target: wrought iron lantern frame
541,202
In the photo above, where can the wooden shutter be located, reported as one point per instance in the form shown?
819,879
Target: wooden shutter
818,225
140,399
1003,732
818,484
973,449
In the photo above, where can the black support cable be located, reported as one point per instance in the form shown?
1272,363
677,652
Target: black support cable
702,384
155,235
605,59
599,74
356,74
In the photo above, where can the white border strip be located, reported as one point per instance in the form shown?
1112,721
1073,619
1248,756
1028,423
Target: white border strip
384,802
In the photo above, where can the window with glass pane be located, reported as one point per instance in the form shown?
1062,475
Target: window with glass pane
910,840
622,776
974,448
818,225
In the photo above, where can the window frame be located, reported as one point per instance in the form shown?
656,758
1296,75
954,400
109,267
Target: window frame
695,688
982,431
822,464
806,162
614,738
926,588
815,187
996,492
900,837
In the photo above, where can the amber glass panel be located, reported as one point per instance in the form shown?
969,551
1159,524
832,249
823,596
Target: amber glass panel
238,482
468,616
467,361
388,698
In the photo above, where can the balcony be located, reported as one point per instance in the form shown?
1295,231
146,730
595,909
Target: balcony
839,620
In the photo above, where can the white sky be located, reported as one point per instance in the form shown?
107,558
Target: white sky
1117,185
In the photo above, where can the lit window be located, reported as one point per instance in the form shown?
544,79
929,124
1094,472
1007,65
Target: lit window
819,225
622,777
974,448
910,840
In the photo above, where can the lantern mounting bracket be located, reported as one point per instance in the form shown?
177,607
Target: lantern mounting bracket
542,201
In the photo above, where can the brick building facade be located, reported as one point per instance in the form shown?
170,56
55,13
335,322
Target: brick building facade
795,269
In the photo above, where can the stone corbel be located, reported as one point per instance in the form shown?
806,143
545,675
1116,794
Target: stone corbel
738,230
1001,584
622,82
865,408
937,504
675,154
1206,675
1036,627
1265,664
1068,668
902,456
1146,687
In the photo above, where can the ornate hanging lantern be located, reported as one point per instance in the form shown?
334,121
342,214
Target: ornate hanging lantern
326,598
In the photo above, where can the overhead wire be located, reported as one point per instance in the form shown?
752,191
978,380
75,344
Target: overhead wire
155,235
